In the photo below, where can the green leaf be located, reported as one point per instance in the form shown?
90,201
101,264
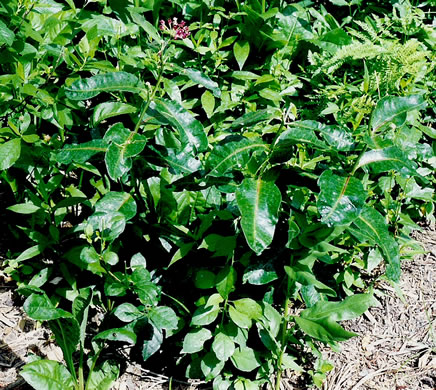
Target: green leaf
163,317
190,130
204,279
388,159
116,163
117,334
47,375
29,253
255,117
309,279
80,310
80,153
200,78
249,307
127,312
245,359
240,319
153,343
232,154
121,202
6,35
208,103
102,377
211,366
194,340
297,135
394,109
371,226
107,82
324,330
107,110
24,208
205,315
89,255
341,199
9,153
223,346
67,335
260,274
39,307
258,202
225,281
241,50
347,309
110,224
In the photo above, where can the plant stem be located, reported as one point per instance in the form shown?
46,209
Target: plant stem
153,93
284,333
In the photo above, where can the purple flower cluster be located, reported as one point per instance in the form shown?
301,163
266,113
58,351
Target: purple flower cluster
178,30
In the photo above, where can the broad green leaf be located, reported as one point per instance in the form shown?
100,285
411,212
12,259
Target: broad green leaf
200,78
232,154
102,377
80,152
106,82
208,103
204,279
89,255
211,366
394,109
117,334
190,130
388,159
116,162
110,109
260,274
249,307
24,208
295,135
138,261
40,308
309,279
129,142
144,24
127,312
194,340
337,137
241,50
347,309
341,199
225,281
163,317
67,335
153,343
288,363
258,202
47,375
121,202
325,330
372,227
29,253
223,346
245,359
9,153
110,224
205,315
255,117
240,319
6,35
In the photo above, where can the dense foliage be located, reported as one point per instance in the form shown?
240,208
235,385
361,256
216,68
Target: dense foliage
220,189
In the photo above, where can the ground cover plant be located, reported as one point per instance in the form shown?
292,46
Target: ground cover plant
216,184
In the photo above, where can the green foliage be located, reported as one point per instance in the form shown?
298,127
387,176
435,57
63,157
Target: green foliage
192,188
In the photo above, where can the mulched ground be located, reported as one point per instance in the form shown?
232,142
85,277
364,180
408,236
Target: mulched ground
396,350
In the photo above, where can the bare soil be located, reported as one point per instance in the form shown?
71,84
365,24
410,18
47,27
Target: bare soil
396,349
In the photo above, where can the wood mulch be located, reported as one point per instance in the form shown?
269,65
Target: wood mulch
396,349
